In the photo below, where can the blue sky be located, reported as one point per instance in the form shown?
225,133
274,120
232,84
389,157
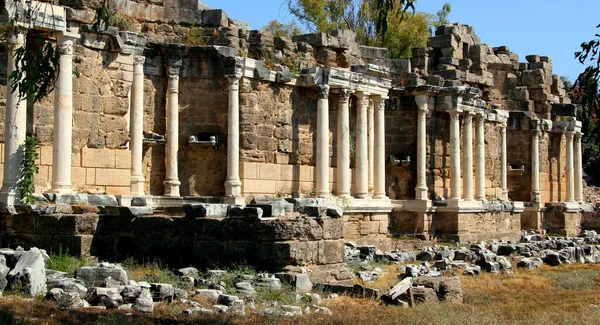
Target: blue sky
555,28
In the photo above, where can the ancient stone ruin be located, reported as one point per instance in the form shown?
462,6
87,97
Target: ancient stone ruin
190,137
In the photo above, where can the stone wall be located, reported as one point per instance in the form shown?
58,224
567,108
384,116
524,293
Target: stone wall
368,229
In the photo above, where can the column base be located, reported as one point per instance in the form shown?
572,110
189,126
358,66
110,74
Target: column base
380,196
504,194
362,196
62,190
421,194
233,188
8,197
535,197
137,186
172,188
234,200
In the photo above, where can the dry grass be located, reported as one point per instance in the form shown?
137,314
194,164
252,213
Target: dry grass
527,297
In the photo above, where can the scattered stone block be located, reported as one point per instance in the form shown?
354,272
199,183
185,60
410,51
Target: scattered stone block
29,274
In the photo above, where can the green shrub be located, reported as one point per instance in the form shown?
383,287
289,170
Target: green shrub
62,261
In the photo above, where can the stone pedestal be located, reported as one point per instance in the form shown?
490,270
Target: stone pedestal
570,171
468,156
322,162
578,161
233,184
15,120
455,190
379,154
136,127
535,166
63,117
480,158
172,182
343,147
362,163
421,192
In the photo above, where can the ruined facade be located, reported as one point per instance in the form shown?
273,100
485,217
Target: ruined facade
462,140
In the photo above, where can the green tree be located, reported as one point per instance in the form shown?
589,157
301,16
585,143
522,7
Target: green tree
442,15
585,93
283,30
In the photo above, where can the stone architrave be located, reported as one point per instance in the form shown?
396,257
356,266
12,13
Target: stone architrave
504,171
535,165
15,117
455,190
480,158
421,192
468,156
343,148
172,182
136,128
362,163
233,72
578,161
322,163
379,154
371,144
63,117
570,172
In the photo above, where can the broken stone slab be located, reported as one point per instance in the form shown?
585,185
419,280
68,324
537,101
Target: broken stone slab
131,292
300,203
552,258
29,274
102,199
208,293
236,211
300,281
194,211
139,201
54,294
108,297
269,282
144,303
180,294
69,285
398,289
162,291
215,17
130,212
283,74
530,263
70,300
269,210
245,288
313,210
356,290
188,271
423,295
226,300
446,288
334,212
97,275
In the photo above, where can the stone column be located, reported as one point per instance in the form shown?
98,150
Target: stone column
423,109
455,192
504,171
570,171
343,144
371,144
63,118
480,158
233,184
15,117
362,163
322,168
535,165
379,154
468,156
578,161
136,126
172,182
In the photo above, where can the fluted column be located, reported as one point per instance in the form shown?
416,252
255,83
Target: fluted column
172,182
535,165
468,156
504,171
423,108
233,184
455,191
379,144
15,120
371,144
480,158
578,161
570,171
136,126
63,118
322,168
362,163
343,144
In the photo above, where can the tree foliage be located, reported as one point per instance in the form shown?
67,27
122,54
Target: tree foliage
585,93
283,30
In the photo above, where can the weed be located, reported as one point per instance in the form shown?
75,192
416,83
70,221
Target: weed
63,262
286,295
152,272
121,21
194,37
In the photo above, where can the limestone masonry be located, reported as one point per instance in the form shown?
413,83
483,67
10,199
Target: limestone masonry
462,141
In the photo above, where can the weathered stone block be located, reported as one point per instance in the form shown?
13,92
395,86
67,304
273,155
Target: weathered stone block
331,252
215,17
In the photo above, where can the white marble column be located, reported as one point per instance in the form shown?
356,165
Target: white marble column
362,162
379,154
371,144
480,158
504,171
172,182
322,163
343,144
423,108
535,165
136,126
455,190
570,172
63,118
15,117
578,161
468,156
233,184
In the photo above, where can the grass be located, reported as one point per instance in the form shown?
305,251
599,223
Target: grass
151,272
578,280
63,262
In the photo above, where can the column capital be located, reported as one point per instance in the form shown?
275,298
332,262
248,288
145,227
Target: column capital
323,91
233,67
468,117
422,102
570,135
578,136
139,59
345,94
16,36
454,115
173,86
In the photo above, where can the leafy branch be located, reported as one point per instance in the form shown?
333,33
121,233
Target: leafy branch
28,170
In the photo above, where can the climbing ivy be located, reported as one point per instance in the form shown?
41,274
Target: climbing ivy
28,170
